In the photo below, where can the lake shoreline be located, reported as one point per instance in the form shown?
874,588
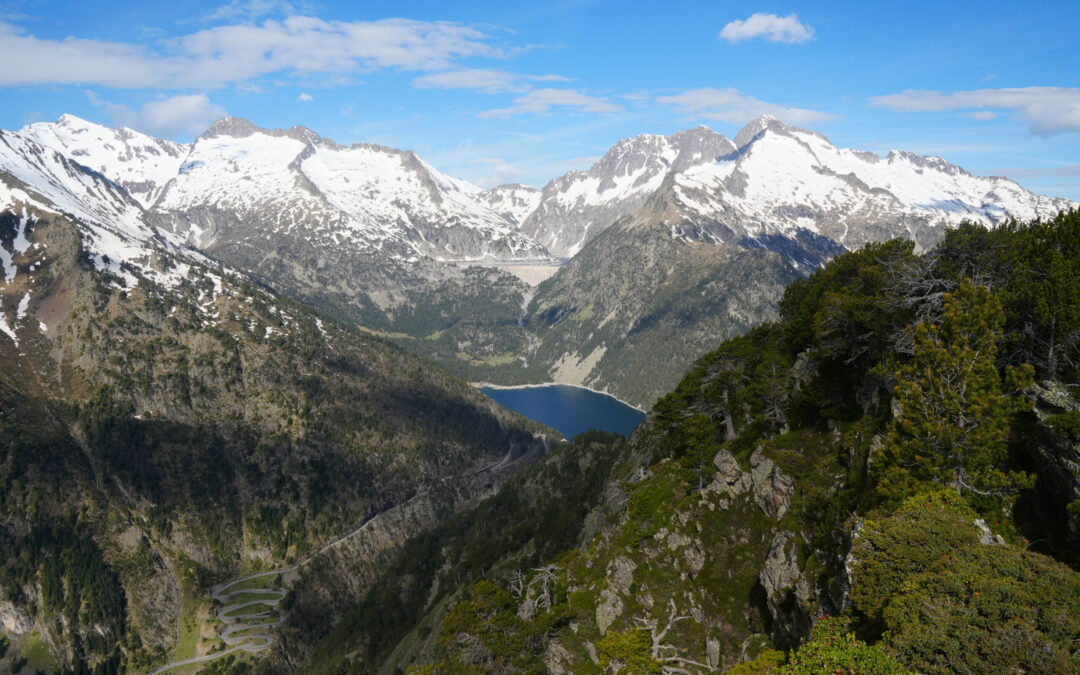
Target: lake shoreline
490,385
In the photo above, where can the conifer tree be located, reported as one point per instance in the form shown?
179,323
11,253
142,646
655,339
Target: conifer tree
1044,289
954,410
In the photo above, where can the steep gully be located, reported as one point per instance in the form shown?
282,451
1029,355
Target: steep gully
242,631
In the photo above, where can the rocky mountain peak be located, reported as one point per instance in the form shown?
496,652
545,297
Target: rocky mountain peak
512,201
699,145
926,162
755,127
237,127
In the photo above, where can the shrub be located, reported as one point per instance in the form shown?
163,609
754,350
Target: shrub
833,648
988,609
917,534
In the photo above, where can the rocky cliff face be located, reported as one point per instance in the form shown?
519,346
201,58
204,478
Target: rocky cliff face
1054,446
630,313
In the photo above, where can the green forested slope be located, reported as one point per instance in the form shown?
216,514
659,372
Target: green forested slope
899,452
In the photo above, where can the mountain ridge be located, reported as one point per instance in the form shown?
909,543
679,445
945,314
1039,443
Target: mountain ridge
377,236
720,182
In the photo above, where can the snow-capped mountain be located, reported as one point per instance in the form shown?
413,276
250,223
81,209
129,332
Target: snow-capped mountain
784,179
711,244
512,201
366,233
37,180
773,180
42,189
577,206
142,165
238,180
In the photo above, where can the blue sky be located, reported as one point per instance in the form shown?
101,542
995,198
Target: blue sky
522,92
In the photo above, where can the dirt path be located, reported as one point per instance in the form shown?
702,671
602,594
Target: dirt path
260,623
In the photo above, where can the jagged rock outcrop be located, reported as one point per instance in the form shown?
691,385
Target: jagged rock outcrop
770,488
14,620
789,594
1056,452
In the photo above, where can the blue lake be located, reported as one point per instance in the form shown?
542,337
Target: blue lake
571,410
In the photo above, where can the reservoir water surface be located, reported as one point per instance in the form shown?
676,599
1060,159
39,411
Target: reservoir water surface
571,410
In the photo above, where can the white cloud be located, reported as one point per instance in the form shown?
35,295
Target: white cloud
480,79
541,101
734,107
502,172
771,27
1047,110
250,9
305,97
233,54
1066,170
185,114
983,115
484,80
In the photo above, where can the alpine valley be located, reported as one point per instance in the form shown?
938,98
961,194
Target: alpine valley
237,434
671,243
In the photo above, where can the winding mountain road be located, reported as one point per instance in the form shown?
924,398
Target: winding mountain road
251,632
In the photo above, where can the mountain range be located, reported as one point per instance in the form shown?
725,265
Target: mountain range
211,370
692,231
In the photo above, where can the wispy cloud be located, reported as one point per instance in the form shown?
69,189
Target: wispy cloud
167,117
1066,171
254,9
305,97
1047,110
501,173
484,80
770,27
734,107
542,101
298,46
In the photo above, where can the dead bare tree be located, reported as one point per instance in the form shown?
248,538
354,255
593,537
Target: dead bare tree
665,653
539,593
471,650
517,583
